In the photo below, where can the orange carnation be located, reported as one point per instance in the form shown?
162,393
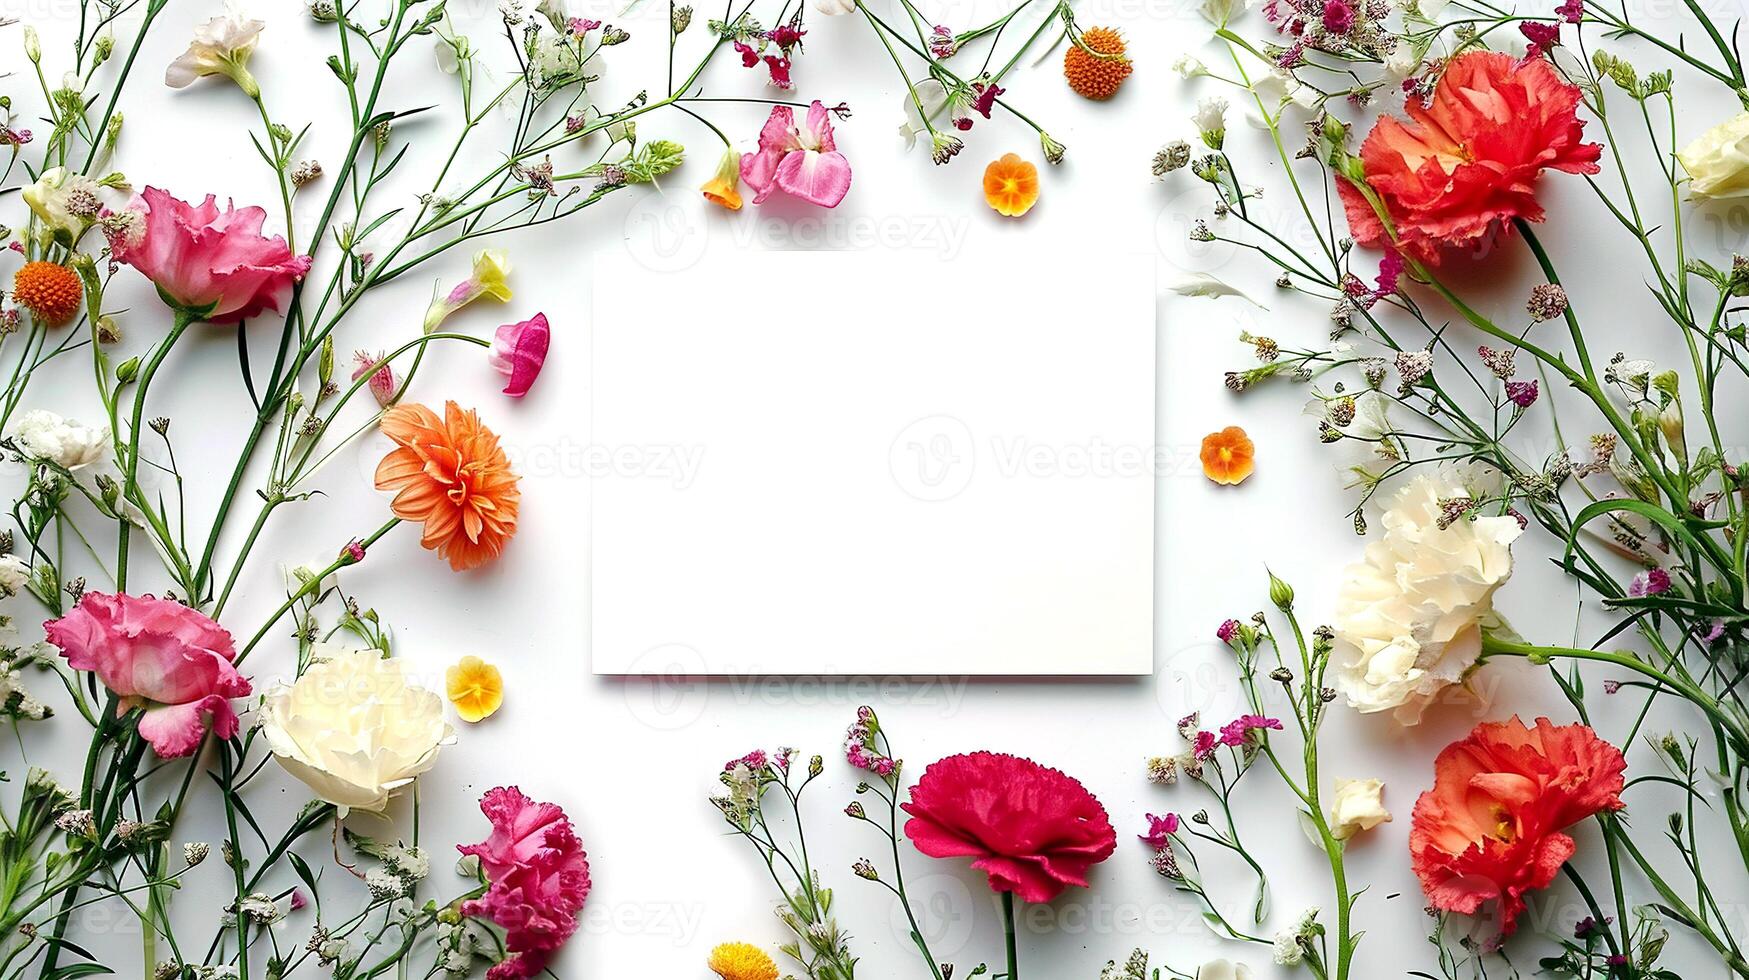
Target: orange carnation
1096,66
49,291
1491,827
450,474
1228,456
1011,185
1467,163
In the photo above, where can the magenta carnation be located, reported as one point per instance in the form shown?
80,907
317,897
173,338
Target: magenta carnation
537,875
1034,831
158,655
217,265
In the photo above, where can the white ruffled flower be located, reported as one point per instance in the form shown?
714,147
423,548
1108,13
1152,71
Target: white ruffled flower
14,574
1210,116
1286,949
221,46
1409,617
352,728
1223,970
64,200
1357,805
46,437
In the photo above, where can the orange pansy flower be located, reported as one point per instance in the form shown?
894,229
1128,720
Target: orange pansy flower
1011,185
1228,456
451,475
475,687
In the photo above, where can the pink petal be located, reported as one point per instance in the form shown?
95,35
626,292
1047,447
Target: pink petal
519,350
820,178
820,127
175,730
759,170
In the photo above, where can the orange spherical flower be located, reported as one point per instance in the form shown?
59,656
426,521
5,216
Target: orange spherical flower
1228,456
1097,66
1011,185
450,474
1467,164
1490,828
49,291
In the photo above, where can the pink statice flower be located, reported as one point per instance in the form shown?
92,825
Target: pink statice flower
859,745
1236,732
158,655
1521,393
1338,16
802,161
1228,631
215,265
1160,830
755,759
382,380
1202,744
518,352
1649,582
537,879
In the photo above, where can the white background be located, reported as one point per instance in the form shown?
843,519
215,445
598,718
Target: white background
634,760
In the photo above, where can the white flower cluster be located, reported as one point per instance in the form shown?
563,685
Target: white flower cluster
44,437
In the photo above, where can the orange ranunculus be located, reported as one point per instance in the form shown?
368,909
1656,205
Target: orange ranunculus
1467,164
1491,827
1228,456
1011,185
450,474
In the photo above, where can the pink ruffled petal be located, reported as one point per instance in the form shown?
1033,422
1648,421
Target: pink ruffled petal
518,352
819,178
175,730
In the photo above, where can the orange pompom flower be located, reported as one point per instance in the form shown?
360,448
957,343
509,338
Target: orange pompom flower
1491,828
1011,185
49,291
1228,456
452,475
1096,65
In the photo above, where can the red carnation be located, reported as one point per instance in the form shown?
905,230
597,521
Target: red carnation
1467,164
1034,831
1491,827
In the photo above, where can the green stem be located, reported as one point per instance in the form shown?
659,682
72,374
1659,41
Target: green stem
1008,935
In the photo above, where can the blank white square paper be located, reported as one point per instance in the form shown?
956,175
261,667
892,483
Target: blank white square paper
873,463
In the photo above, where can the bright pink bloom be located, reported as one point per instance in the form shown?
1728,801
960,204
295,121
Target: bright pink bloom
1542,36
1338,17
537,878
216,264
1203,744
786,37
1160,830
749,57
1032,830
755,760
382,382
158,655
1649,583
519,350
780,67
1228,630
1235,732
799,160
1522,393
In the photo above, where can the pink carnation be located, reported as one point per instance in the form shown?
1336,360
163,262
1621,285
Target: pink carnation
217,265
537,875
1034,831
158,655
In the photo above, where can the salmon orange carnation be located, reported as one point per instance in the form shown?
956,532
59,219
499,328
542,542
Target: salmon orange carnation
51,292
1466,166
1011,185
451,475
1491,827
1096,65
1228,456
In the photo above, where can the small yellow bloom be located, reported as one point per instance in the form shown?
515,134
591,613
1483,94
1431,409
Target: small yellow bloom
475,688
492,274
724,190
742,961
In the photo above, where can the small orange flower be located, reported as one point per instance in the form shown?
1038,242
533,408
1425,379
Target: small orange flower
452,475
1097,66
1011,185
724,190
49,291
475,688
1228,456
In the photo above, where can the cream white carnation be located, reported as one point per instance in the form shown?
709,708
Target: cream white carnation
1409,617
1358,805
44,436
352,728
1718,162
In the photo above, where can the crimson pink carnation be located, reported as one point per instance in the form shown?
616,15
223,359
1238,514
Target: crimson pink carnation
1491,827
217,264
1467,164
1033,830
158,655
537,878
